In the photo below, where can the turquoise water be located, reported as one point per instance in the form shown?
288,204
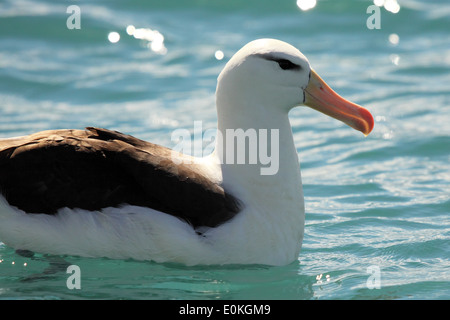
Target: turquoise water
377,207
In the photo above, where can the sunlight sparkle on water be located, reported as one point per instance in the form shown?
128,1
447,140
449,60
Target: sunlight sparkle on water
392,6
394,39
395,58
306,4
154,37
113,37
219,55
389,5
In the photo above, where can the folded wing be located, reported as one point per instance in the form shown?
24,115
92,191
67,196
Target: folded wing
97,168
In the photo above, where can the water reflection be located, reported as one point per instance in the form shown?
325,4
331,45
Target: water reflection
113,37
153,38
395,59
306,4
219,55
389,5
394,39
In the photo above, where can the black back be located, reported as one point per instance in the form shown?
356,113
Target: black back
99,168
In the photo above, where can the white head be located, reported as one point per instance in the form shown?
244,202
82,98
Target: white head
256,90
269,71
272,76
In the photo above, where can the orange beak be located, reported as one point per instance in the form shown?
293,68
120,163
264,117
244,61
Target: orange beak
319,96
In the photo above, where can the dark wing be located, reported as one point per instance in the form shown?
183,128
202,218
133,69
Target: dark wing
99,168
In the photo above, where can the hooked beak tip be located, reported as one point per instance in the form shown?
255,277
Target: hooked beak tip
319,96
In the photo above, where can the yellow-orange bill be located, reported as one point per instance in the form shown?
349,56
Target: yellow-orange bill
319,96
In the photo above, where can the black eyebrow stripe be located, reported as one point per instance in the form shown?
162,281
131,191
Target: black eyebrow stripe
268,56
304,95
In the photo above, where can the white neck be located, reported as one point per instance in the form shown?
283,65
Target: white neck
274,184
273,205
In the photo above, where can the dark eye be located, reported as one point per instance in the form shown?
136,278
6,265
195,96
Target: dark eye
287,65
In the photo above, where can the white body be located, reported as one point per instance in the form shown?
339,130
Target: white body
251,93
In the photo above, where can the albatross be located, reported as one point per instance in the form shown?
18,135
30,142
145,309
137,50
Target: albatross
101,193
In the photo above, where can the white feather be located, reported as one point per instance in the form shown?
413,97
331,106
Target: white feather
269,230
